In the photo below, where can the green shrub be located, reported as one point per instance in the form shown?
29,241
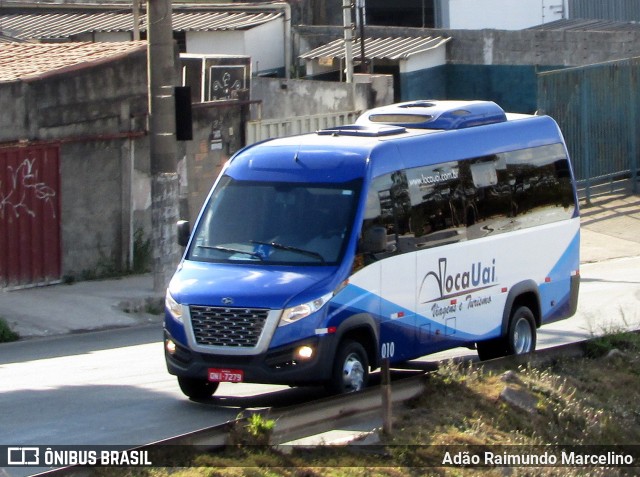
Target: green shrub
620,340
142,253
6,333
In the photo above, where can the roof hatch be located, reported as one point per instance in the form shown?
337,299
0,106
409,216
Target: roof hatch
425,114
369,130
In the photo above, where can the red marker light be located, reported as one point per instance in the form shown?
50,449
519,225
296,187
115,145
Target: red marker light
332,329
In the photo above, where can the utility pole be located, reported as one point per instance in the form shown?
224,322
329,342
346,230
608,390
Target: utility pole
136,20
348,39
363,61
162,140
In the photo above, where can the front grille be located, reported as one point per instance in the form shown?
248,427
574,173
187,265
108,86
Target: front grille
232,327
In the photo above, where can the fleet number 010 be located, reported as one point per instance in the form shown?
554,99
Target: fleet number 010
388,350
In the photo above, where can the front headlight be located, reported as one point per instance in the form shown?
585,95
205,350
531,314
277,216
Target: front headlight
295,313
174,308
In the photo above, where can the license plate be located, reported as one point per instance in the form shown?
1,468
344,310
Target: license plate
226,375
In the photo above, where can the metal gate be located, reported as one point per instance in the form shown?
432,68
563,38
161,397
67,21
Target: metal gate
597,107
29,216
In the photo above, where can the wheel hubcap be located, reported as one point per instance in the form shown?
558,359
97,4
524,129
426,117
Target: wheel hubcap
522,337
352,373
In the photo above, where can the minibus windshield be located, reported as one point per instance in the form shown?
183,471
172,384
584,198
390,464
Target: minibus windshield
275,223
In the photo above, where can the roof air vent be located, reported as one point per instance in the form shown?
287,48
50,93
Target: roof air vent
436,114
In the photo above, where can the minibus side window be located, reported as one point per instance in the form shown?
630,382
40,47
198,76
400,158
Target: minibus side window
430,206
520,189
387,217
410,210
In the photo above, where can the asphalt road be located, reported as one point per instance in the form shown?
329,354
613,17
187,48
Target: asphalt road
112,387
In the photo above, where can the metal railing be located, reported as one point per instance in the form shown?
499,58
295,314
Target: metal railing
261,129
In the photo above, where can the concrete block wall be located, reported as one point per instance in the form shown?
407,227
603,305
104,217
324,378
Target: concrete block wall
531,47
14,113
283,98
497,65
502,47
217,135
104,99
96,115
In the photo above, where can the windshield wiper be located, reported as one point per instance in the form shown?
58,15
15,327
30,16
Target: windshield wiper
289,248
231,250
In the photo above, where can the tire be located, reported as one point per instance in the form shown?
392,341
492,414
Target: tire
195,388
350,369
521,337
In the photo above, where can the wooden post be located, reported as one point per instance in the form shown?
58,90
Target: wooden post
387,418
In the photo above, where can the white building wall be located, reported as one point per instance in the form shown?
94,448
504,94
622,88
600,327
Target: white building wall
503,14
112,36
216,43
427,59
264,44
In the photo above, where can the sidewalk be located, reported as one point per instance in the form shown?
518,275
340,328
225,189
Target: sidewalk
82,306
610,229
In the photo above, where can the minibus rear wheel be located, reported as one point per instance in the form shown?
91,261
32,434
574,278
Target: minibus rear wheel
350,369
195,388
521,337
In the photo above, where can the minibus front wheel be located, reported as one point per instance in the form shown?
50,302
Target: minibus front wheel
195,388
350,368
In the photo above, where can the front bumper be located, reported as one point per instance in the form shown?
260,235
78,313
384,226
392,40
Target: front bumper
277,366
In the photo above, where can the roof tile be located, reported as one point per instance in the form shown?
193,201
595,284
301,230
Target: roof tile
25,61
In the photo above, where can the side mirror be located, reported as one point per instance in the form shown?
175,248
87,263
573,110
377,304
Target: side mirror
184,232
374,240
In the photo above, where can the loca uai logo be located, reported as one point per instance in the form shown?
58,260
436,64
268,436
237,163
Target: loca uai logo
477,276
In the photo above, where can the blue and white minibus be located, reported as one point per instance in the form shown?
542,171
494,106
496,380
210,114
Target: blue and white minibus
424,226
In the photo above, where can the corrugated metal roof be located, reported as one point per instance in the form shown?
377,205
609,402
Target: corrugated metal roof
51,26
25,61
587,25
221,20
7,39
378,48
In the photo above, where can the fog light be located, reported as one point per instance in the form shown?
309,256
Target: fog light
304,352
170,346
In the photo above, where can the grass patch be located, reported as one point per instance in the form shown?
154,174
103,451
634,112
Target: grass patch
6,333
618,340
573,402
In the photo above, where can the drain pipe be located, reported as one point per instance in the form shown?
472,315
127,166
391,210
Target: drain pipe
287,39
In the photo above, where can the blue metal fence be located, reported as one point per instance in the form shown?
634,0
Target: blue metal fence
618,10
597,108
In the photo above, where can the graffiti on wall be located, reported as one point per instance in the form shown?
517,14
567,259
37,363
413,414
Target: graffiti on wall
17,195
226,81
